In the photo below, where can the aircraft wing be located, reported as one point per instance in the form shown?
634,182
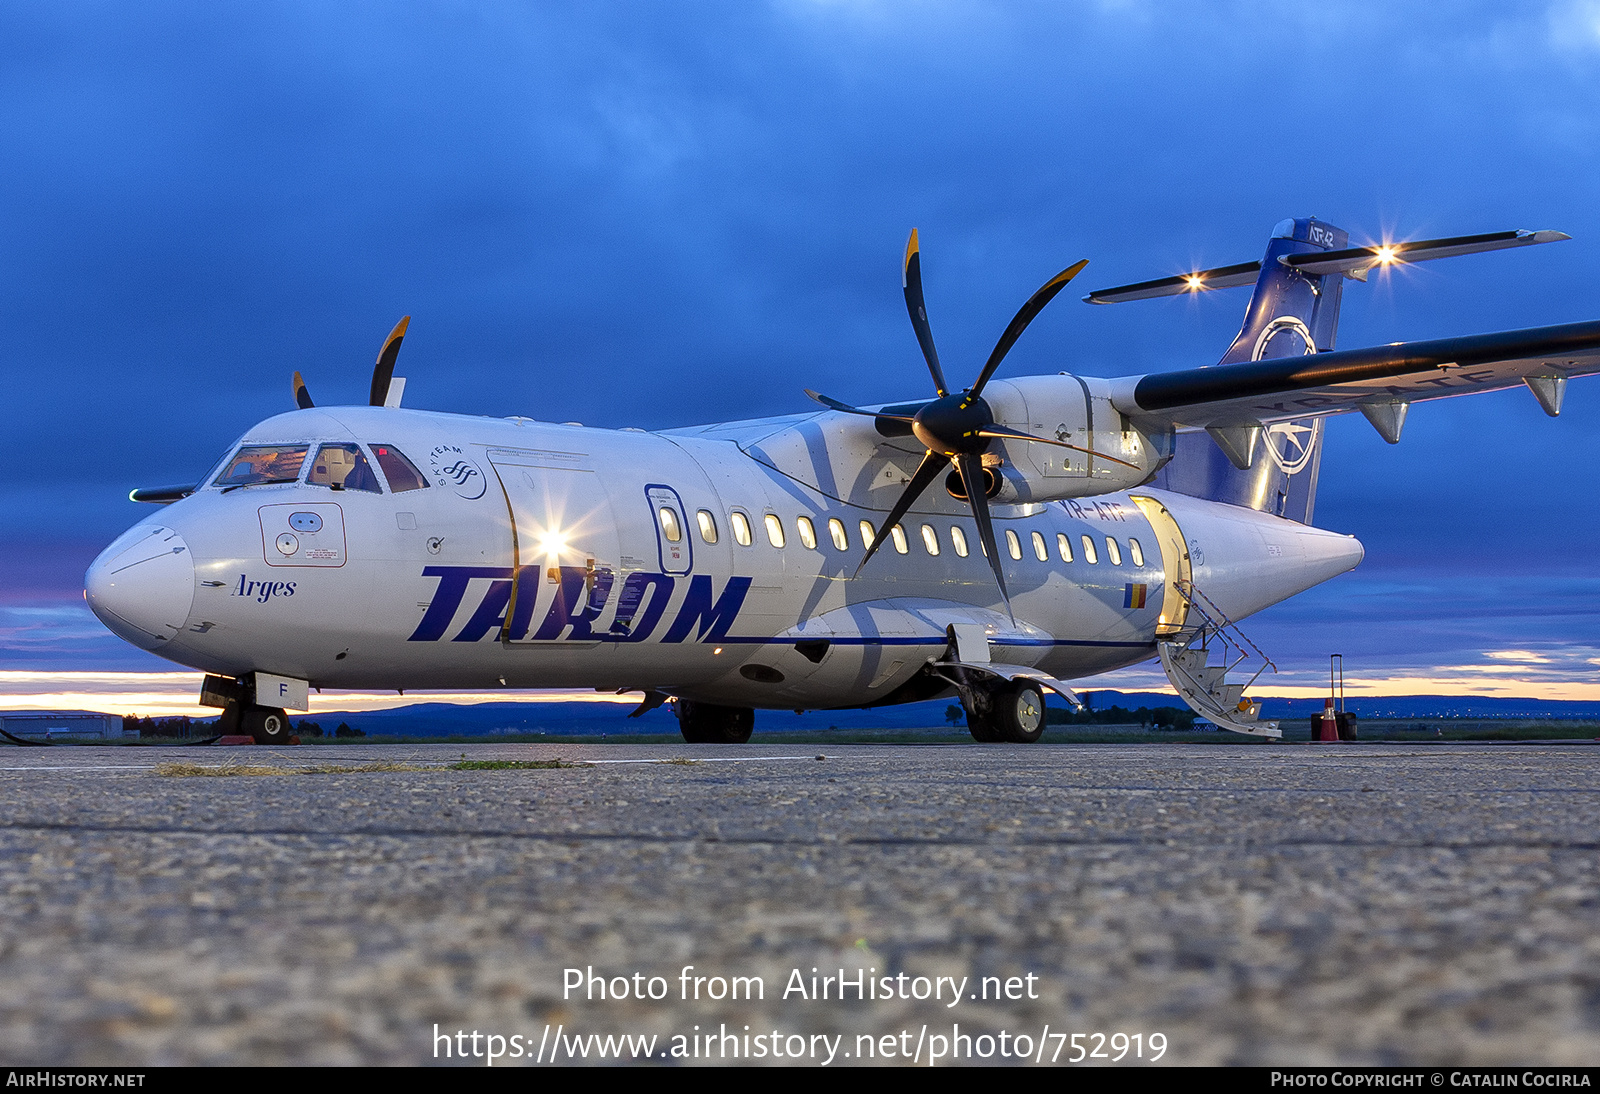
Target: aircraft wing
1284,388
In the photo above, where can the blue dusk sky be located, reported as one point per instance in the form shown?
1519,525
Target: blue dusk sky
656,215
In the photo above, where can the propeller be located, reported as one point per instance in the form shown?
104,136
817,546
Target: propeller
957,427
382,372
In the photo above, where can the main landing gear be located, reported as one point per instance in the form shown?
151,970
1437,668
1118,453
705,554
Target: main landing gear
704,724
1005,711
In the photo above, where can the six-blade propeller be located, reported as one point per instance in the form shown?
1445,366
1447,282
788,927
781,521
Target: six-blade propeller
957,428
382,372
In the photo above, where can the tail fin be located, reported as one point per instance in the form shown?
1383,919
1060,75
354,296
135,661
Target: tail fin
1282,479
1291,313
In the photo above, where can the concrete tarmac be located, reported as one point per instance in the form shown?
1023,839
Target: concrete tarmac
1283,904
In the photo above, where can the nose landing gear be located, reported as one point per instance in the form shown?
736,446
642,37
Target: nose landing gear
267,725
705,724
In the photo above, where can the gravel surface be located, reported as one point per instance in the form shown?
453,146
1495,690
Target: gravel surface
1254,905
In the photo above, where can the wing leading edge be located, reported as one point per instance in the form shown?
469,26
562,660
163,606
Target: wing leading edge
1318,384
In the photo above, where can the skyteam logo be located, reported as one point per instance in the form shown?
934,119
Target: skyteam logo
451,468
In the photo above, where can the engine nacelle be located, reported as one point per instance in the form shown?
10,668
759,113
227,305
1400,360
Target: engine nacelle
1077,410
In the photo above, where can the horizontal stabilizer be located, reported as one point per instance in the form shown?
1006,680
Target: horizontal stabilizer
1223,277
1356,261
1352,262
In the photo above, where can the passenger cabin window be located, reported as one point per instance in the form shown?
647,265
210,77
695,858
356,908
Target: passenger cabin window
1040,551
1113,552
401,472
1088,550
836,532
669,524
774,530
1136,551
342,467
708,525
898,535
741,527
1013,545
264,463
807,532
958,540
867,535
930,539
1064,546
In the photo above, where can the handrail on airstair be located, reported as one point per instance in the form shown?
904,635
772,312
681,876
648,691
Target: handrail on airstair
1221,626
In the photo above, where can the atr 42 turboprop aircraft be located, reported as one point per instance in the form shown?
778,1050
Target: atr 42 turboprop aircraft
986,543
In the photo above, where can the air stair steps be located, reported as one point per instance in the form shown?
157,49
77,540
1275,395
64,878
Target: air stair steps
1186,657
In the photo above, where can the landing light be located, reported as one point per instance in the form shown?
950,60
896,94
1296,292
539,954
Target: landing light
1386,255
552,543
1195,282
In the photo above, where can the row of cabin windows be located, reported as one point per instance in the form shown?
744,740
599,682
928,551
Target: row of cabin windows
807,534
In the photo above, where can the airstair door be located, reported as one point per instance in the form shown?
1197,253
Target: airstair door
1174,563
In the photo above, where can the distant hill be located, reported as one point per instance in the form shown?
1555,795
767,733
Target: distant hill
559,718
496,719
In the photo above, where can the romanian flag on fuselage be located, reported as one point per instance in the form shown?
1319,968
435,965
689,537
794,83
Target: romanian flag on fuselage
1133,595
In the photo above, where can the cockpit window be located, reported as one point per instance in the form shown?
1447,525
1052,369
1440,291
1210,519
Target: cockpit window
401,472
342,467
263,463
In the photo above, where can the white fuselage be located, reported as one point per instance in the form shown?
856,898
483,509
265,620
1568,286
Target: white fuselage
541,556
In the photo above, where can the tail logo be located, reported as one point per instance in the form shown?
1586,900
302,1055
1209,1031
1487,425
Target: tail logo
1290,447
1285,328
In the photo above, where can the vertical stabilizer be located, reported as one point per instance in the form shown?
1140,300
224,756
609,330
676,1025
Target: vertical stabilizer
1291,313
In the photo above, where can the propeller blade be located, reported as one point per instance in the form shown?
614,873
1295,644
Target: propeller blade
383,371
930,468
302,397
971,468
995,430
1019,323
911,281
835,404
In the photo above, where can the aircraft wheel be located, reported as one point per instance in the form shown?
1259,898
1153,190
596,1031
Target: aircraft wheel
1019,712
705,724
980,717
268,725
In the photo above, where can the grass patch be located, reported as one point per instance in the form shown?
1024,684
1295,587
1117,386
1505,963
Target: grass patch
513,765
177,770
681,761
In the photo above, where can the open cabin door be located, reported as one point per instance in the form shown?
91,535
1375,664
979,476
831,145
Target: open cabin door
564,544
1175,566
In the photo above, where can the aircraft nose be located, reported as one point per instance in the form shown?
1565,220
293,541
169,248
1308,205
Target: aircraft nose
142,586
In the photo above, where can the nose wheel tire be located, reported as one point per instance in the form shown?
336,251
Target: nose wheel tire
268,725
705,724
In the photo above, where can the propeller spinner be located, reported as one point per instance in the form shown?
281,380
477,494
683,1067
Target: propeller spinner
958,427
